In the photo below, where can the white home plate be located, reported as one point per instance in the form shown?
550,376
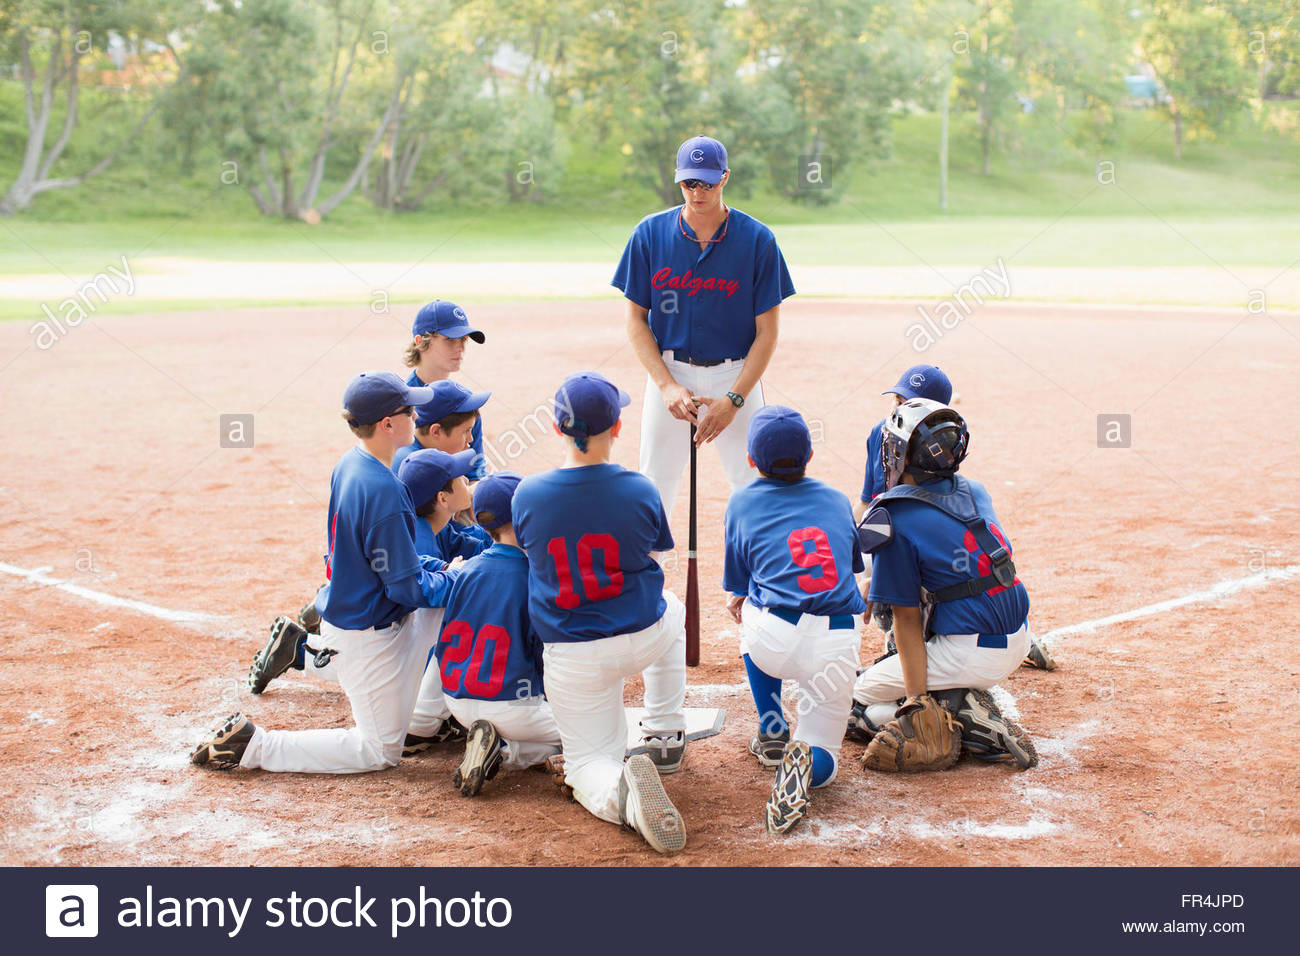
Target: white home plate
700,722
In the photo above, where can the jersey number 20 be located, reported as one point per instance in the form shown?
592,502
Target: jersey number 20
459,638
567,597
819,557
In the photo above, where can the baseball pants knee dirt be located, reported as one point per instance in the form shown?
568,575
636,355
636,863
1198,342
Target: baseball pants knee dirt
584,683
952,660
822,661
527,726
380,670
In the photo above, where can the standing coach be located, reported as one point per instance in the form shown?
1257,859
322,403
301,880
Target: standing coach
704,285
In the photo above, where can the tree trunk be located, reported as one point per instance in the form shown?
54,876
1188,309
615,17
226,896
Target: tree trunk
1178,134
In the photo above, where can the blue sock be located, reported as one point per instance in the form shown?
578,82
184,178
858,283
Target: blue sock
767,698
823,766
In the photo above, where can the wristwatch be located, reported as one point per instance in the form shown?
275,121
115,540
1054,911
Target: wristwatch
737,400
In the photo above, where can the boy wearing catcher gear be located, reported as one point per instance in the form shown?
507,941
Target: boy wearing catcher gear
436,483
930,382
439,334
942,562
791,553
375,580
489,657
597,599
704,285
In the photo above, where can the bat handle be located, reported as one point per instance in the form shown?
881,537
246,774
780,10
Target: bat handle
692,578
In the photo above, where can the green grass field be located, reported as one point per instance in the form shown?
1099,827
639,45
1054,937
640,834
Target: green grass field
1235,201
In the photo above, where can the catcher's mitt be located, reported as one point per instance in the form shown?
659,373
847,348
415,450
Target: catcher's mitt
922,736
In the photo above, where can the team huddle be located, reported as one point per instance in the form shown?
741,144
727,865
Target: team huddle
503,614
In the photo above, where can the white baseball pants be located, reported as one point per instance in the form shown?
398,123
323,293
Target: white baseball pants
430,706
527,726
952,660
822,662
380,671
665,441
584,683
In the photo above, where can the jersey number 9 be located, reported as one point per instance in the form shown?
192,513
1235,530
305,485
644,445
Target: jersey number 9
567,596
819,557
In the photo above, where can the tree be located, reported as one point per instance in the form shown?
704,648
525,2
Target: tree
838,66
273,81
650,74
64,33
1196,52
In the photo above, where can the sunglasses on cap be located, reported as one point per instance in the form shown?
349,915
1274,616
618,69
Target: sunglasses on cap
700,183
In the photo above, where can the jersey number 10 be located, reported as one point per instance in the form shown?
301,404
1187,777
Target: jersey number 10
567,596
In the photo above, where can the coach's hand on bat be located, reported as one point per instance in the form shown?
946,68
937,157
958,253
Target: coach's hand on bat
680,402
718,414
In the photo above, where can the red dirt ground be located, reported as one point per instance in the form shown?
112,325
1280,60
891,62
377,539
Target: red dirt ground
1159,737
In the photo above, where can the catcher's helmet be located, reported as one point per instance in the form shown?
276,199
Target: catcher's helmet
923,438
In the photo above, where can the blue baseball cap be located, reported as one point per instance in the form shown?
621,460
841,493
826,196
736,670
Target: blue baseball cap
923,381
446,398
777,432
427,471
372,396
703,158
445,318
588,403
492,497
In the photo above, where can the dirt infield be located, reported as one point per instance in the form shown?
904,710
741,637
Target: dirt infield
1159,736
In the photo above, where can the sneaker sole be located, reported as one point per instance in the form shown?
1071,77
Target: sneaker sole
1007,736
216,751
469,776
771,763
664,828
1039,658
783,813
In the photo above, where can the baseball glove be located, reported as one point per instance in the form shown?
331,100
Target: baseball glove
922,736
309,618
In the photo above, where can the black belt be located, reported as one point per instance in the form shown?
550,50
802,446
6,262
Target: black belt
839,622
699,362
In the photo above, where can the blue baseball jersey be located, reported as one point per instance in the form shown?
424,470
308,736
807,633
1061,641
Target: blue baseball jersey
452,540
792,545
933,550
703,303
588,533
475,439
374,575
873,481
488,649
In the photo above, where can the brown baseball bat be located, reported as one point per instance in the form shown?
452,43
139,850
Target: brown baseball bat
692,579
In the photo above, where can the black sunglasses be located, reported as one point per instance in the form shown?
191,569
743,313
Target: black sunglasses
693,183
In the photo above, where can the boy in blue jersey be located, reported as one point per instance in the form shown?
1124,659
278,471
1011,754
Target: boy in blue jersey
791,553
943,564
597,600
489,654
438,488
291,646
437,348
703,284
375,579
446,422
919,381
929,382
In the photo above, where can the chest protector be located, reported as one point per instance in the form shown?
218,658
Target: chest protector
877,528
